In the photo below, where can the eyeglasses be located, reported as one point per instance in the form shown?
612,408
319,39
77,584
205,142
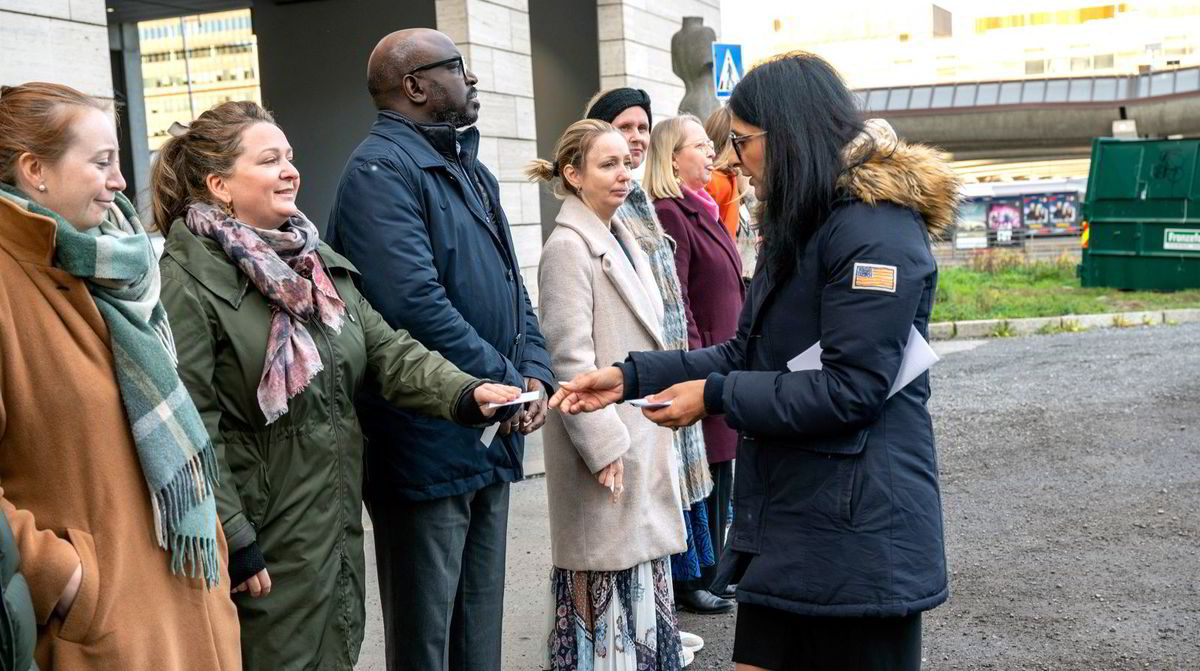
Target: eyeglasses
738,140
455,63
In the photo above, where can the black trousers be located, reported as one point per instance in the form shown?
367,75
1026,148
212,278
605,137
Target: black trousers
781,641
717,504
441,580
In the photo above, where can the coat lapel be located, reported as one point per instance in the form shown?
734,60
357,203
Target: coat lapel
634,282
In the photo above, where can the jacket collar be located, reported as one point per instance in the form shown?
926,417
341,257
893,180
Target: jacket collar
28,236
442,141
207,263
638,288
910,175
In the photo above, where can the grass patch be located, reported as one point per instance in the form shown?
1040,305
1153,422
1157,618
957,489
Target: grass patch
998,284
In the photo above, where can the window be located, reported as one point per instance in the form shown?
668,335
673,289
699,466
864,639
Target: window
1104,89
988,94
1162,84
920,98
964,95
877,100
1035,67
943,96
1081,91
899,98
1010,93
1081,63
1102,61
1187,80
1034,92
1056,90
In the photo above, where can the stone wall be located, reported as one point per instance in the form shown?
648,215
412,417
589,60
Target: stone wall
63,41
493,35
635,45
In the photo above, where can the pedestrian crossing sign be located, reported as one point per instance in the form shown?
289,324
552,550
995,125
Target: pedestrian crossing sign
727,67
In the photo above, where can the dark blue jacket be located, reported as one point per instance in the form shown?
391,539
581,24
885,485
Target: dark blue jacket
837,509
421,219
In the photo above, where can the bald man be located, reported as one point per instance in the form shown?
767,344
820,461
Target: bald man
420,218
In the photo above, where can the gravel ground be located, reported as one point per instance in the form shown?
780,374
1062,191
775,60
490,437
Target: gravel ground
1071,485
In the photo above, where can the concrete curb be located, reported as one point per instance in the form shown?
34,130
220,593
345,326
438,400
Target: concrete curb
987,328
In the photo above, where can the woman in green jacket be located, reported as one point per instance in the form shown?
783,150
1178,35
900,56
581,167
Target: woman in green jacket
274,342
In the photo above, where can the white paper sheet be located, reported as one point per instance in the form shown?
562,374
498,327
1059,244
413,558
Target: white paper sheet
489,434
918,357
523,398
653,405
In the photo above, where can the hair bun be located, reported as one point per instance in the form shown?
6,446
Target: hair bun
177,129
4,90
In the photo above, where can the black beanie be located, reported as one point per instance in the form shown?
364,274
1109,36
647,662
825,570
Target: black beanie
611,104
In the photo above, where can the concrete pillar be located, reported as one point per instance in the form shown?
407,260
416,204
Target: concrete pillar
127,86
635,45
493,36
61,41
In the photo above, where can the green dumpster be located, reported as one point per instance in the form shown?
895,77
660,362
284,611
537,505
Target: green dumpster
1143,215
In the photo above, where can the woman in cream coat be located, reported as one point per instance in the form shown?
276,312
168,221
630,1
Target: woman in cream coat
612,480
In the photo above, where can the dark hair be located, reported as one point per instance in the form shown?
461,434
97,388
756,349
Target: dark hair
809,116
209,146
36,118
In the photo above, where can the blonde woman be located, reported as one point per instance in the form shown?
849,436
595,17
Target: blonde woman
710,274
611,477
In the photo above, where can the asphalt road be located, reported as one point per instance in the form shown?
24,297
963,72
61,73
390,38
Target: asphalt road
1070,470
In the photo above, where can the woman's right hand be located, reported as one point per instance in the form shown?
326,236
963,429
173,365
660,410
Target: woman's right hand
589,392
258,584
612,477
490,392
67,599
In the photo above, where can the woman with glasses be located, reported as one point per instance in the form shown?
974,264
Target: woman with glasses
837,544
679,165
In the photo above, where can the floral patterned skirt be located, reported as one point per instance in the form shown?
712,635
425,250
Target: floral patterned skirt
613,620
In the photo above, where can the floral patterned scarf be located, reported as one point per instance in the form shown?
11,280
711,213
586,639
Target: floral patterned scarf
283,265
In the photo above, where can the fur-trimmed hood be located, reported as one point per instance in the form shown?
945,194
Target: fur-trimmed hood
911,175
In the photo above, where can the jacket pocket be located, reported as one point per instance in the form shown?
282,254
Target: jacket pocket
749,498
851,489
77,627
848,444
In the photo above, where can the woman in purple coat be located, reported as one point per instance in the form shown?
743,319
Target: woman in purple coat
678,165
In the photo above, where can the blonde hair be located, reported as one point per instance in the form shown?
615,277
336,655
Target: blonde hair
210,146
571,149
666,139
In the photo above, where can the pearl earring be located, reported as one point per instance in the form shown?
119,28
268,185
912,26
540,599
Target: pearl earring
42,187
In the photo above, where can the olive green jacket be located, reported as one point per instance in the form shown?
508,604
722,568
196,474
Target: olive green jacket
294,486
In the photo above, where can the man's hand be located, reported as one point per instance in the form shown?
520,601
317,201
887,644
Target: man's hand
534,415
258,584
687,405
590,392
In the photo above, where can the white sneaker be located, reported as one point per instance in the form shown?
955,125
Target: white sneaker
687,658
691,641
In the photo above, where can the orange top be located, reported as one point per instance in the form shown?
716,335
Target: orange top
723,188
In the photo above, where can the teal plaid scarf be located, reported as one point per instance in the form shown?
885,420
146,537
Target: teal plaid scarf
178,460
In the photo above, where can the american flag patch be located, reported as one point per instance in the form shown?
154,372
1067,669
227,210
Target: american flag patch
874,277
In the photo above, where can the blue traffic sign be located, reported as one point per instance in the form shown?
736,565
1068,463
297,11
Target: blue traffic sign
727,67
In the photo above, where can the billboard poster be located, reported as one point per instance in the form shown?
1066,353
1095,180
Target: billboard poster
1004,222
1037,214
1064,213
970,230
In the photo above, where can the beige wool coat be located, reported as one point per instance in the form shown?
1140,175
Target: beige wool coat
596,308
